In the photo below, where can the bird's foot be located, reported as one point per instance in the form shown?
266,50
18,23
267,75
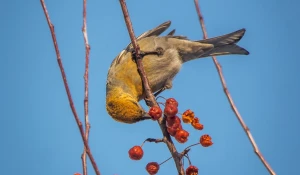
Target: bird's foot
168,85
159,91
148,101
159,51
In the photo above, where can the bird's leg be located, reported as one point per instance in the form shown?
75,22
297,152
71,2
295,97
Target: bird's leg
159,91
158,51
148,101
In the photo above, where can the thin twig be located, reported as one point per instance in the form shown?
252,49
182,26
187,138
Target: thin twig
86,87
188,158
184,152
149,95
152,140
181,155
88,150
191,146
165,161
226,91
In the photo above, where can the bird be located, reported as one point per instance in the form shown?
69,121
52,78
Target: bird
124,87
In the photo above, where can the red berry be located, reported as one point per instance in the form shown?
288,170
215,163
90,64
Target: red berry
198,126
152,168
188,116
171,101
170,110
191,170
155,112
171,131
174,128
136,153
182,136
205,140
172,120
173,125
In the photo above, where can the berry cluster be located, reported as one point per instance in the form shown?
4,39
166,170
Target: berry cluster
175,129
189,117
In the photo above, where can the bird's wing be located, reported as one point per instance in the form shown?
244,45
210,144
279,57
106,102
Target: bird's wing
155,31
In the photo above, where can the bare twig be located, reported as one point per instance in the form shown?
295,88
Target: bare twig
152,140
181,155
51,27
165,160
191,146
86,87
188,158
149,95
184,152
226,91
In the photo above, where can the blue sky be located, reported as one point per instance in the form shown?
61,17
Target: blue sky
39,134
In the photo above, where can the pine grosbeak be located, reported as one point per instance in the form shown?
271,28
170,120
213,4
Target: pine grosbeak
124,87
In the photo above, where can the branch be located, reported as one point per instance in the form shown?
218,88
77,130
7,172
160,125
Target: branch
149,95
63,74
226,91
86,87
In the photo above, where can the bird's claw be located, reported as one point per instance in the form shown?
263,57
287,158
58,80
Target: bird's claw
158,51
148,101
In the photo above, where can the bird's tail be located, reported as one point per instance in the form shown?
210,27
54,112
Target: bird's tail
225,44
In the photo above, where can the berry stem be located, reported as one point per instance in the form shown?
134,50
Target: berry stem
188,158
191,146
165,160
160,97
152,140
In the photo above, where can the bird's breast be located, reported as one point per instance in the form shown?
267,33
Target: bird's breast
160,69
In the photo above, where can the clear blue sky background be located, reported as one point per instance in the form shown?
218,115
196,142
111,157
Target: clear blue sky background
39,135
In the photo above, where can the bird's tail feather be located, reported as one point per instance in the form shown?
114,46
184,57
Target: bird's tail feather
226,50
226,44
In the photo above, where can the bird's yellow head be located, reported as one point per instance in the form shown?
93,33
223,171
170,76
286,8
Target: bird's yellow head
123,107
